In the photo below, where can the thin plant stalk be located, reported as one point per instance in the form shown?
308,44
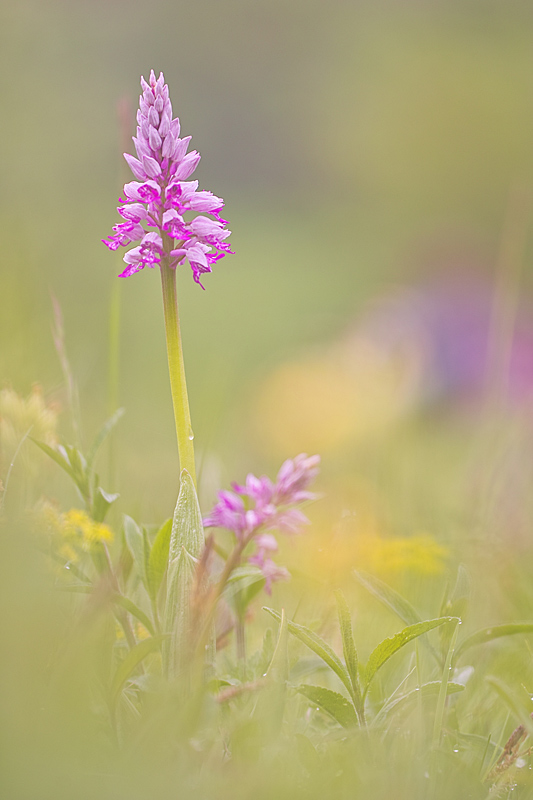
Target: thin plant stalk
176,369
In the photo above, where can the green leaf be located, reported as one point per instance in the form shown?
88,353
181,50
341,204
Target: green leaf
131,661
333,703
102,435
348,646
187,525
176,650
512,702
101,504
185,548
79,469
135,611
489,634
137,542
318,646
394,601
388,647
158,560
72,462
56,456
426,690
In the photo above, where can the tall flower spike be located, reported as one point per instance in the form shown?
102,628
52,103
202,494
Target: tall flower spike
162,194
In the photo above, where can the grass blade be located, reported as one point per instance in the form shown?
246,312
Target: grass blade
158,559
349,650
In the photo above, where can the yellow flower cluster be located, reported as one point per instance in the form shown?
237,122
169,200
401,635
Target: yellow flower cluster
420,554
74,531
384,556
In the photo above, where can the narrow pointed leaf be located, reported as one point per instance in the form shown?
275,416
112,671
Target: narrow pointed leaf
55,456
187,526
318,646
158,559
135,611
185,548
132,660
79,469
136,545
348,644
333,703
489,634
101,504
178,613
388,647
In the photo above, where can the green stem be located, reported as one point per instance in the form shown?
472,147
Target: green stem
176,370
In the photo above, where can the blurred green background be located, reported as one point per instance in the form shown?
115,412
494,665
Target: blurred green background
352,141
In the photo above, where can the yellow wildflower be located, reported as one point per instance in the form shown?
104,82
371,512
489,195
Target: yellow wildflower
389,556
73,532
78,524
380,555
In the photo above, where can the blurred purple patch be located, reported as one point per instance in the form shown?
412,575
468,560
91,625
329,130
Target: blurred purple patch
447,330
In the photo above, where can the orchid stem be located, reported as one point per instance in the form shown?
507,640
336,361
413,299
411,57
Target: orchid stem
176,368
